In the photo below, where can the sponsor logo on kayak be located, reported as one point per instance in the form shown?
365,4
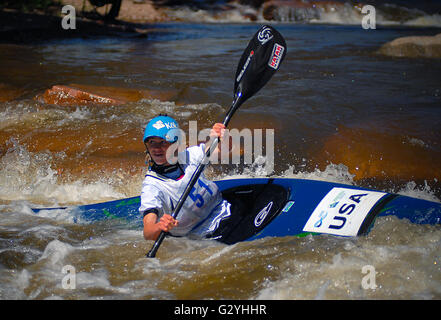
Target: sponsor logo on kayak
321,217
245,66
276,56
265,35
342,211
288,206
337,199
262,214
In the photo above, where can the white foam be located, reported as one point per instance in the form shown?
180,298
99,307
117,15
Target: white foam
43,231
81,192
346,15
218,254
332,173
29,176
423,192
425,21
95,279
55,252
79,114
240,14
13,283
322,291
23,279
68,215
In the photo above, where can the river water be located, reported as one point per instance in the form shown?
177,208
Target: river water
340,112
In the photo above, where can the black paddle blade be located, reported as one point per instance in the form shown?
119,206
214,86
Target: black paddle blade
260,60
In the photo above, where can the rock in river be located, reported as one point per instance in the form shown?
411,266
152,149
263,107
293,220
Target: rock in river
413,47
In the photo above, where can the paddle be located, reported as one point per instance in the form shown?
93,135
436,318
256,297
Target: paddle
260,60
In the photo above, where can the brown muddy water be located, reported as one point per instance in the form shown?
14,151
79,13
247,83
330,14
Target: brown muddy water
340,112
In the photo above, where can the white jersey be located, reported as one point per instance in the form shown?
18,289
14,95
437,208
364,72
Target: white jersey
163,194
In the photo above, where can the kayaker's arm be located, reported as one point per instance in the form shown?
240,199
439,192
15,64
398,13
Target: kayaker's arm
152,229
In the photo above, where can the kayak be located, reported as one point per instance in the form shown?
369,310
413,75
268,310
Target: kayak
278,207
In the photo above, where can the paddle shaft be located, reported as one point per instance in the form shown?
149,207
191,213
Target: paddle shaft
195,177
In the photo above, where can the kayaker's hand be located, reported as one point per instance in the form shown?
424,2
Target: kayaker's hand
167,222
218,130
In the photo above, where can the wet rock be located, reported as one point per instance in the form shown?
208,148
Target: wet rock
68,96
141,12
413,47
130,10
76,94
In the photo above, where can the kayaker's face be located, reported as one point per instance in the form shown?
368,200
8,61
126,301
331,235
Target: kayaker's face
157,147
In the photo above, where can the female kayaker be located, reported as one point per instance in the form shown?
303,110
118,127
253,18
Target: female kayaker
166,181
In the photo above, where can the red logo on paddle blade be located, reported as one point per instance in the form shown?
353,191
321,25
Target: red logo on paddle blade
276,56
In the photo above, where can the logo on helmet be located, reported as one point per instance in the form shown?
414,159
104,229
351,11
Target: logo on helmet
158,125
169,125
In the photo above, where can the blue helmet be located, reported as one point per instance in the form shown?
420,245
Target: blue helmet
163,127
